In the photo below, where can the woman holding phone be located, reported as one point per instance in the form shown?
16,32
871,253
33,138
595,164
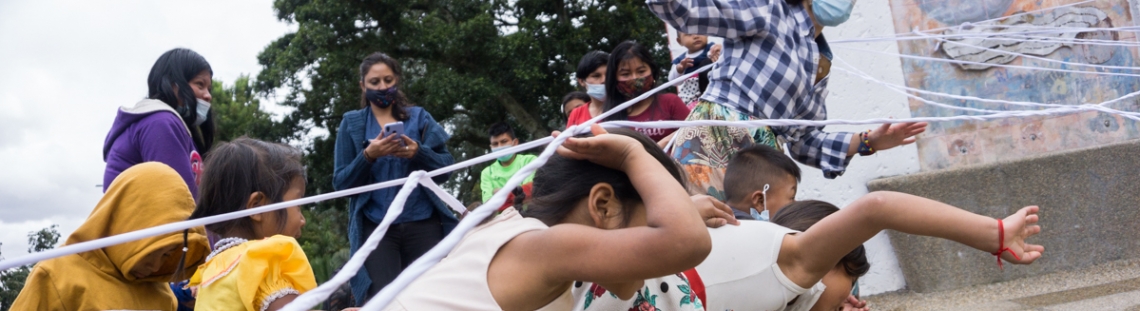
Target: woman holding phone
387,139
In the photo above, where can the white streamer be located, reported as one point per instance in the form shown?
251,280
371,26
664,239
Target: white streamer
1045,30
991,64
944,41
322,292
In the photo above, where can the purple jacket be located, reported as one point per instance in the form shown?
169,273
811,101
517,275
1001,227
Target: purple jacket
151,131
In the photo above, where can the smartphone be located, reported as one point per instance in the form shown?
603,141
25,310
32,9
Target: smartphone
394,128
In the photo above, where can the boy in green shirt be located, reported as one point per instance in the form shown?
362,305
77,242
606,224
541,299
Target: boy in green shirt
495,175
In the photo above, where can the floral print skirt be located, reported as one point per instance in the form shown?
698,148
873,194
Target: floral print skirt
704,151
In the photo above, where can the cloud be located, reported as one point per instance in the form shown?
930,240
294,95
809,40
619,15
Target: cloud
66,67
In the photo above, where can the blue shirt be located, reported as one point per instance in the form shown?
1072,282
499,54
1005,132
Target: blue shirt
389,167
769,64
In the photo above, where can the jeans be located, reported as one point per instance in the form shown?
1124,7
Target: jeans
401,245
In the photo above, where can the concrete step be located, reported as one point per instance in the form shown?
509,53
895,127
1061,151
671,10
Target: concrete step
1109,286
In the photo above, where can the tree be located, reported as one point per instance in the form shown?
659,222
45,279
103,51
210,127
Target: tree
12,281
469,62
237,113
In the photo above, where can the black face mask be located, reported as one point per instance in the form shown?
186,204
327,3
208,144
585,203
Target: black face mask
381,98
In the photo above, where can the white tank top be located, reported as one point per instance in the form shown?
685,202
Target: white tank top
459,281
741,271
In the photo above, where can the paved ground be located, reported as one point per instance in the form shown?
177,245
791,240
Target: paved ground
1110,286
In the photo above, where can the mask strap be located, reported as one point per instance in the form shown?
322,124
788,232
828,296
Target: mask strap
765,193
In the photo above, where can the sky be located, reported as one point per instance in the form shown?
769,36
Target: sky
65,68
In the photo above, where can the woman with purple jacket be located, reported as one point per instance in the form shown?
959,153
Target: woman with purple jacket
173,125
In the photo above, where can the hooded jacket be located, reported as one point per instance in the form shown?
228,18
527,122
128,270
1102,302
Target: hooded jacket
151,131
144,196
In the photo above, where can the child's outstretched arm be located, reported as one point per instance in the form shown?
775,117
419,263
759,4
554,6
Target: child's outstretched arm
806,257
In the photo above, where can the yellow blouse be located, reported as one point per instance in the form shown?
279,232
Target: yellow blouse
251,275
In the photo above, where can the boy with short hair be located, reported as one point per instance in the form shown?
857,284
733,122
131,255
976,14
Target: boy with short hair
758,181
495,176
700,53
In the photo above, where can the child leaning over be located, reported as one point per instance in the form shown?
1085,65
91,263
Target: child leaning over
128,276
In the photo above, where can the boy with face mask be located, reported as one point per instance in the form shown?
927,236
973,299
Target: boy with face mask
496,175
759,181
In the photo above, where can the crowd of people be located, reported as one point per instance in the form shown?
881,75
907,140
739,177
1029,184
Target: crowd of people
709,221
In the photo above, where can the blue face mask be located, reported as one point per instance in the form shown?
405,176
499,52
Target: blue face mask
597,91
203,112
381,98
760,216
505,157
831,13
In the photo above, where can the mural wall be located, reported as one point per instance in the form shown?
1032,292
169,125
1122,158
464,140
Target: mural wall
1050,66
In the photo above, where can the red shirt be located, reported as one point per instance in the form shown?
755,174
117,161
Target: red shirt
579,115
666,107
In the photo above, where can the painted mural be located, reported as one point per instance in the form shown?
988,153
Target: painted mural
1010,50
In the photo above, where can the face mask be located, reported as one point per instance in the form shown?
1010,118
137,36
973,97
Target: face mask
597,91
203,112
381,98
762,215
831,13
635,87
505,157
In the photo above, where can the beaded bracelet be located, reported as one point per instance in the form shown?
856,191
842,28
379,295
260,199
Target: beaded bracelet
865,144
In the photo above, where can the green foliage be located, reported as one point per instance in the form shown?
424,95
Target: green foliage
469,62
237,112
12,280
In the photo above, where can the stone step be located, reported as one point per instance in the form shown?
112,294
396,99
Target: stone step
1109,286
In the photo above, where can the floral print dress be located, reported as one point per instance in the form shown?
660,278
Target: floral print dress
704,151
665,293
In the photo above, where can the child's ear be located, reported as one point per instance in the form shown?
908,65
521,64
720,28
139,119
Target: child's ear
255,199
757,200
603,205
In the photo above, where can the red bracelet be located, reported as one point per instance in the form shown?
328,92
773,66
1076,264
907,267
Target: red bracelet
1001,246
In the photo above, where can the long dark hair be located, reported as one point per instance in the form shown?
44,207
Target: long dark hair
240,168
801,215
176,68
399,110
625,51
563,182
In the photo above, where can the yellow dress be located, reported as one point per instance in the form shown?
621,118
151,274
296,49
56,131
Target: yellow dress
251,275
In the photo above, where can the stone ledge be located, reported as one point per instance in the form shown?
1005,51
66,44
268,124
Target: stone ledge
1089,214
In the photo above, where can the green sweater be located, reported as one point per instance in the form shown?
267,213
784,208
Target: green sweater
495,176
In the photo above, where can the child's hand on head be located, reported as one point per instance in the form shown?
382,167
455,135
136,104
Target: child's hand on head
713,211
612,151
1018,227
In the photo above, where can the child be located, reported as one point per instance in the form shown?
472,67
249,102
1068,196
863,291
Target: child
257,265
131,275
647,227
759,180
701,53
802,215
631,73
762,266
